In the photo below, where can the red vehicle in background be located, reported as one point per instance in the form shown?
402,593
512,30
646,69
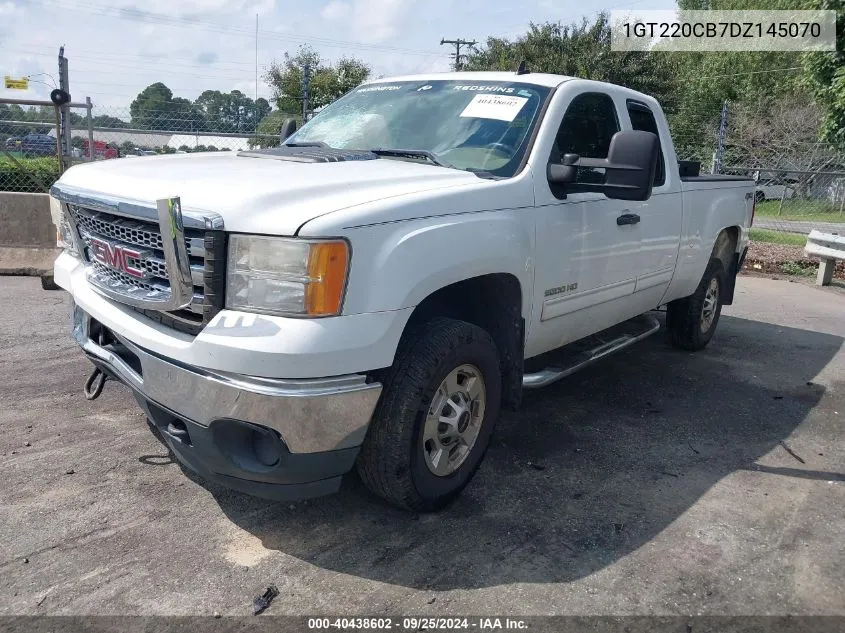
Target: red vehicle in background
101,150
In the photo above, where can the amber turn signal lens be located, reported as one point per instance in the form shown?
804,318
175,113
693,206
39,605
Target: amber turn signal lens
327,267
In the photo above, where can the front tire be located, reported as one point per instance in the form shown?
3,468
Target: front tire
440,401
691,321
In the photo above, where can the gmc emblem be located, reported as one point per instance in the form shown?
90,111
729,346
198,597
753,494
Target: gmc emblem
117,257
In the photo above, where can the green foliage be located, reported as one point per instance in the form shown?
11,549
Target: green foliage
580,50
797,268
155,108
328,81
824,77
44,114
28,174
104,120
231,111
778,237
267,132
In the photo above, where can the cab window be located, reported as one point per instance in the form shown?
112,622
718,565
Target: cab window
643,119
587,127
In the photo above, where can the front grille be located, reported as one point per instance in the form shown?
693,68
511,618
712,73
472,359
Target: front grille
120,229
151,282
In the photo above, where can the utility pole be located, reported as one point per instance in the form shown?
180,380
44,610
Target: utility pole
720,148
256,57
64,120
306,82
457,44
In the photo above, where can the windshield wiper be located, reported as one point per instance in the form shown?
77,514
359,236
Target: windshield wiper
307,144
413,153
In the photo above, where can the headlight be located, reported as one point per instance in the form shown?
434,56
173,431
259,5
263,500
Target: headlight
286,276
64,232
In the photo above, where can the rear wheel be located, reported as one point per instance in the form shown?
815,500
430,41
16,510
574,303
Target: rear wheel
433,423
691,321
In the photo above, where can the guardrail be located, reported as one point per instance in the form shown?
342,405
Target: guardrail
828,247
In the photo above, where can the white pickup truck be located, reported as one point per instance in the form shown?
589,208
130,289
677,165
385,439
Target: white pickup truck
375,290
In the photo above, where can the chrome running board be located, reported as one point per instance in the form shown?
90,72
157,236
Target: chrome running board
623,335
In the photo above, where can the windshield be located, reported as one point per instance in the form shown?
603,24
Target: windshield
481,126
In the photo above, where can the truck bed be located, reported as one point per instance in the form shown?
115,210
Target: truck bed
714,178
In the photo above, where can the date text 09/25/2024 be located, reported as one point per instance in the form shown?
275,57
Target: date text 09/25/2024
417,624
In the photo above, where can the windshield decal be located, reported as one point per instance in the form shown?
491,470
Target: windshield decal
499,107
502,89
379,88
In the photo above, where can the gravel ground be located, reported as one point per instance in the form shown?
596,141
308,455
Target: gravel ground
764,257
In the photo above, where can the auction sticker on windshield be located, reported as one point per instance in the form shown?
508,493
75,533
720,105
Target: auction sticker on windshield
492,106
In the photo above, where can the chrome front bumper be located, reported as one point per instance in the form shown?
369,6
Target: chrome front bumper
310,416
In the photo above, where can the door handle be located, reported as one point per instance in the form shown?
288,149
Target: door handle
627,218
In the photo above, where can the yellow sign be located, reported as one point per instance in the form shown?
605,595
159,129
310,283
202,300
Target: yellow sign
17,84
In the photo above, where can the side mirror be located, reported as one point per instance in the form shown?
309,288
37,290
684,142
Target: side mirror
288,128
629,168
565,171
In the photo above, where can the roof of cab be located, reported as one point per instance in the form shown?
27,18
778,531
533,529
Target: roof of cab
538,79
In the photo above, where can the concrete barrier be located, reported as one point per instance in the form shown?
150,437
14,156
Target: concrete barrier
27,235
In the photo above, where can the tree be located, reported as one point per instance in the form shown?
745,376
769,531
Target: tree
267,132
781,135
706,80
155,108
579,50
104,120
328,81
231,111
127,146
824,76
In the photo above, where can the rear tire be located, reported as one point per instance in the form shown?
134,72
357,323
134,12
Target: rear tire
413,457
691,321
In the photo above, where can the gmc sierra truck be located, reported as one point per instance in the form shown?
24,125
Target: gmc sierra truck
372,292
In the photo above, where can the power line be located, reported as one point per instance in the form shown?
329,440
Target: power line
457,44
149,17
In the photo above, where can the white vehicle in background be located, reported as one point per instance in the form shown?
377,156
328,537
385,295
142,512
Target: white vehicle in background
374,291
775,189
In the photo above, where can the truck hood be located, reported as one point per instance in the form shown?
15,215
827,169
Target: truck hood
255,195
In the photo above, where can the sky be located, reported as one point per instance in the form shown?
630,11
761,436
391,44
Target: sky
117,47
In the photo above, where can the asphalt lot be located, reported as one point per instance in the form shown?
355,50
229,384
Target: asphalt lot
652,483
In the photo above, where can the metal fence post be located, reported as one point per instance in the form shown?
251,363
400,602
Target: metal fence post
59,156
90,122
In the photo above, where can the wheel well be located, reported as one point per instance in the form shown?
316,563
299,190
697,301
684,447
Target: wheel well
724,249
725,246
494,303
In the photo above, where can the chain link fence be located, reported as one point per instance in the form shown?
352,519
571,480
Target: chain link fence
31,160
800,182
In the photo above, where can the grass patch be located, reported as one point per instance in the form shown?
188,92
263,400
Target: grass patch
801,210
796,268
777,237
28,174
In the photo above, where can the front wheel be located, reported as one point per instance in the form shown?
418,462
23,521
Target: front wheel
691,321
433,423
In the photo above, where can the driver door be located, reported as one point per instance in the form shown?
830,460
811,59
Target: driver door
587,261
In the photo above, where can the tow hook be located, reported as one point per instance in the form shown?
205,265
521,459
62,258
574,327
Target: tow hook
95,383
